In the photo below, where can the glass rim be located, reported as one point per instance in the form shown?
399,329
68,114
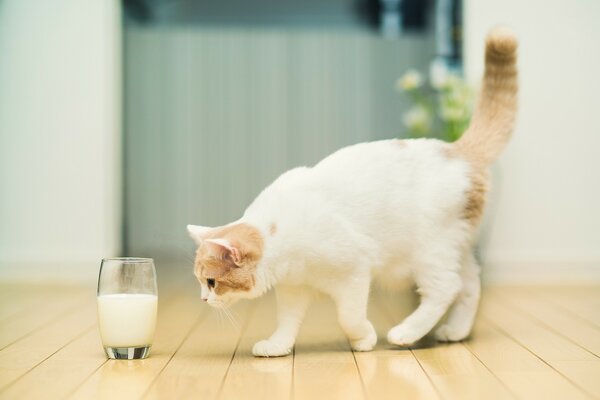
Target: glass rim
128,260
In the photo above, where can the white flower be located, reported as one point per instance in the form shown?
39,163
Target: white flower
411,80
417,119
438,74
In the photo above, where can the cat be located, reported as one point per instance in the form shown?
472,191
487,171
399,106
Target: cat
383,210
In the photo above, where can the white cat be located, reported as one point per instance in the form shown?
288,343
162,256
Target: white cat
383,210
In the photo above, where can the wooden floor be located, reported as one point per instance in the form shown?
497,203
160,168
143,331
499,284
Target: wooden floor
528,343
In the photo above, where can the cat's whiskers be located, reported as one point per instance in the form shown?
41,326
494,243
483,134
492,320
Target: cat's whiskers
231,318
234,314
220,318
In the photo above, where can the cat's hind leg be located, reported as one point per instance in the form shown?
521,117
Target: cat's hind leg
438,284
462,314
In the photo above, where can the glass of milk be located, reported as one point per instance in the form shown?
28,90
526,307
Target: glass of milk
127,303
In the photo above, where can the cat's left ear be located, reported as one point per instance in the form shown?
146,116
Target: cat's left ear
198,233
225,249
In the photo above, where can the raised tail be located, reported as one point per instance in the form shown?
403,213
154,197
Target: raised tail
494,118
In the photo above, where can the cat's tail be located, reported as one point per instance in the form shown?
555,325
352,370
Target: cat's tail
494,118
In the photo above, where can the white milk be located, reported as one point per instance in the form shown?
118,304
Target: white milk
127,320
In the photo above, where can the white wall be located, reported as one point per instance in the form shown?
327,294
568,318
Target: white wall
545,216
59,137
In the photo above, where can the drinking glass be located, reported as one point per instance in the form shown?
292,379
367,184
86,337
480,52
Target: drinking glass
127,303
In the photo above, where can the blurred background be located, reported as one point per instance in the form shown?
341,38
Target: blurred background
121,122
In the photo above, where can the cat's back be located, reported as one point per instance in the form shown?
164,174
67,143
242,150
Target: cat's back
366,182
386,179
411,163
382,152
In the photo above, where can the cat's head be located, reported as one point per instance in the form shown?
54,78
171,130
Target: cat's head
226,262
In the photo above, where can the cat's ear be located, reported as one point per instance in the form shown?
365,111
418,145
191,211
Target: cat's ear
198,233
223,249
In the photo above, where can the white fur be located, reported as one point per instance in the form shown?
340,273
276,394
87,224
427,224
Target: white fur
372,210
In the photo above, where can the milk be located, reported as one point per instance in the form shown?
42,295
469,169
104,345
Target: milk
127,320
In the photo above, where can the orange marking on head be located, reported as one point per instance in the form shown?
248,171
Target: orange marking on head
231,274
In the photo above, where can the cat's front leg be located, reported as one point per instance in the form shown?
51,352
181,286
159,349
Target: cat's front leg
292,302
351,298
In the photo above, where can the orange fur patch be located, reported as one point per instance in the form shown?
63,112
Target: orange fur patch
211,263
273,229
476,195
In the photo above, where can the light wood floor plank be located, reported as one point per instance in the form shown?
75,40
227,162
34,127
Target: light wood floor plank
199,366
387,371
23,355
52,306
324,366
258,378
553,318
57,376
585,373
15,300
453,369
122,379
458,374
540,340
554,349
520,370
584,302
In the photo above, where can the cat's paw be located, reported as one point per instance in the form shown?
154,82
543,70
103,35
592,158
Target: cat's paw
365,343
268,348
403,336
449,333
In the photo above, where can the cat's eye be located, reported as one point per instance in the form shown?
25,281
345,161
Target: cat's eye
210,283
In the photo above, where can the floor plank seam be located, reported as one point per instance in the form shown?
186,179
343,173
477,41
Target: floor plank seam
387,312
362,382
86,330
466,345
76,388
65,313
570,312
249,316
292,386
544,325
437,390
6,319
187,335
498,328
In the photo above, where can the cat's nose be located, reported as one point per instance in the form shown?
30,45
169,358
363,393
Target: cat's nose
204,298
